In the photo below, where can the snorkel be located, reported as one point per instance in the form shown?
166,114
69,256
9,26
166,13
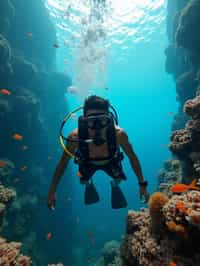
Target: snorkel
96,121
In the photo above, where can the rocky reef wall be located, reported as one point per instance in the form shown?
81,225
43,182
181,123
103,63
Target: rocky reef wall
168,232
32,104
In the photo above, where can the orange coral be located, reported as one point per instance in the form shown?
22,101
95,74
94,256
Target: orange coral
156,203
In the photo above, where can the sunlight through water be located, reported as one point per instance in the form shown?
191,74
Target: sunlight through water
91,32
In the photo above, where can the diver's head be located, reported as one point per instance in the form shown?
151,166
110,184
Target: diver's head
95,104
96,109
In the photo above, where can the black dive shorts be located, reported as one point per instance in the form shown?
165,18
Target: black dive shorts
113,168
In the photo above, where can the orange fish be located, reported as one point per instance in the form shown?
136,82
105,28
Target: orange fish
24,168
172,263
17,137
181,206
3,164
5,92
56,45
179,188
79,174
49,235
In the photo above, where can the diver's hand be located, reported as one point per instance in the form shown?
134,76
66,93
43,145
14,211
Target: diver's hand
144,195
51,200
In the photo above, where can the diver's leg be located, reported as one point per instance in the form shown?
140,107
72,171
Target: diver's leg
118,199
91,195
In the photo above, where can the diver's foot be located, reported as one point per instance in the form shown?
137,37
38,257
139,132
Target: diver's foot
91,195
118,199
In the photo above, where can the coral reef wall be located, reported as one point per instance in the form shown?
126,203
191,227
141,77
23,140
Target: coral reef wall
30,114
168,232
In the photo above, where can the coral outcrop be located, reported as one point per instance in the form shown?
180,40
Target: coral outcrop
169,174
10,254
110,254
178,241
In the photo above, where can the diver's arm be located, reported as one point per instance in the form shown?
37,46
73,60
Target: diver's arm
60,168
128,149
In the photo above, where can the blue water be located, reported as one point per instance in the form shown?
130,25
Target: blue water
133,68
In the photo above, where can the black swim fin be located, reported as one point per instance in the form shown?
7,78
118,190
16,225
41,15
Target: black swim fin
117,197
91,196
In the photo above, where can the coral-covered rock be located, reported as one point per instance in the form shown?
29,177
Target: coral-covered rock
10,254
183,211
140,246
6,194
170,173
181,141
192,107
177,242
110,252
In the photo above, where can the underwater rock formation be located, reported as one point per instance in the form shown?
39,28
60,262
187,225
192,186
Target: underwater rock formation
110,254
177,241
10,254
185,143
169,174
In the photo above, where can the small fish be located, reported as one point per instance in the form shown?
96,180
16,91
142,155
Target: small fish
49,158
24,168
172,263
106,88
17,136
72,89
3,164
179,188
24,147
30,34
56,45
79,174
5,92
49,235
16,180
77,220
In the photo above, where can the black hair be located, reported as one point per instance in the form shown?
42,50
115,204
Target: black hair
95,102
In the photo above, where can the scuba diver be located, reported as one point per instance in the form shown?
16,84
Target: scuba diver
95,145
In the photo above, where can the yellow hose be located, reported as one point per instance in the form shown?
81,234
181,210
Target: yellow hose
61,139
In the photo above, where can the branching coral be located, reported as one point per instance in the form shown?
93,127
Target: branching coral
10,254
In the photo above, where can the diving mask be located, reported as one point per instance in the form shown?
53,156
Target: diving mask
98,121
